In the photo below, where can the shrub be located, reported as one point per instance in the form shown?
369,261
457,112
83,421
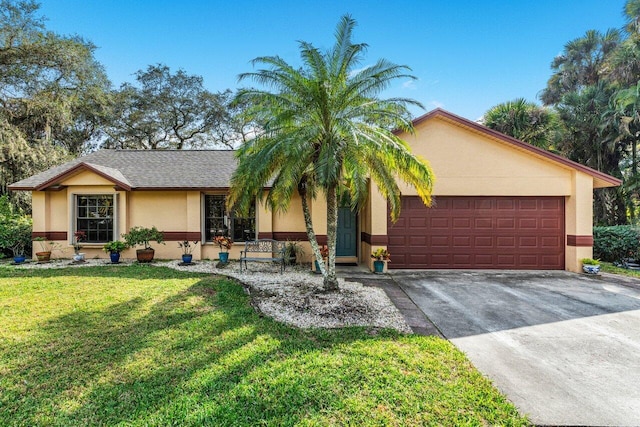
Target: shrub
15,229
142,236
615,243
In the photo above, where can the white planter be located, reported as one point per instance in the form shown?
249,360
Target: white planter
591,269
78,257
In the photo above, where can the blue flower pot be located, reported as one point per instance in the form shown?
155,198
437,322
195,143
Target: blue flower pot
115,257
224,257
378,266
19,259
186,258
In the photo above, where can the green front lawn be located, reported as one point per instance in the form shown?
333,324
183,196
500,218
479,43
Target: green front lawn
143,345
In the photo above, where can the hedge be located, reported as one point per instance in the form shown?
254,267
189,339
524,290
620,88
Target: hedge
616,243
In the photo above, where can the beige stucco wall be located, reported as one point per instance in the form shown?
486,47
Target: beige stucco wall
467,163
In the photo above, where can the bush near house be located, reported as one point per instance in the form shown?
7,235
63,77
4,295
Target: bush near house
15,230
616,243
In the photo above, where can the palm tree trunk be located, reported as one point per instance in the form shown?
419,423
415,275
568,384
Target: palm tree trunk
330,279
311,235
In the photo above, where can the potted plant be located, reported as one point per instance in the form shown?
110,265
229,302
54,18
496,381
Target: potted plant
380,256
141,236
113,249
78,237
324,253
225,243
187,250
590,266
293,251
46,248
17,238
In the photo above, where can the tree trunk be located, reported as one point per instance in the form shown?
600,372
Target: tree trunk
330,279
309,226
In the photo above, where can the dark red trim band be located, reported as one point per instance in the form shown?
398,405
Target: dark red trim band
375,239
50,235
579,241
179,236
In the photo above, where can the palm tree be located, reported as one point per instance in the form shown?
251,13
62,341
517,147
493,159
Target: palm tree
525,121
580,64
325,130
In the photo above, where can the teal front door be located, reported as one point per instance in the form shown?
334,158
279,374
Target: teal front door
347,233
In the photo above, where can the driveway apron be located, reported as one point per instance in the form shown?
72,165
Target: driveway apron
565,348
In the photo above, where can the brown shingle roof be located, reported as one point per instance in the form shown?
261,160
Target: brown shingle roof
145,169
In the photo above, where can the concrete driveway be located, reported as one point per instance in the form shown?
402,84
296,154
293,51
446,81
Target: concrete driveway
565,348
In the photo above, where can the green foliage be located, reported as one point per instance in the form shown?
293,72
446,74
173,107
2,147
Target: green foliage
15,229
327,128
165,110
381,254
525,121
590,261
141,345
53,95
616,243
115,246
142,236
293,250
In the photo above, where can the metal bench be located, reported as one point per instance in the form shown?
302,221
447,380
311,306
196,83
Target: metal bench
263,246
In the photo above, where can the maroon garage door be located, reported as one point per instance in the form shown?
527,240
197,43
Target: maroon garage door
479,232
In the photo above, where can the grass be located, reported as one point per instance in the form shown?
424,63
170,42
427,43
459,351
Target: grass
143,345
610,268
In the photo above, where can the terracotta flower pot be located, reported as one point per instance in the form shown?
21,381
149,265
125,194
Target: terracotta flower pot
145,255
43,256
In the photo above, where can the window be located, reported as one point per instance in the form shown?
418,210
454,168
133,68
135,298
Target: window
217,221
94,216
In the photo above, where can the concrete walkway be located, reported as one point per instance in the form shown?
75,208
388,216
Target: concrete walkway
565,348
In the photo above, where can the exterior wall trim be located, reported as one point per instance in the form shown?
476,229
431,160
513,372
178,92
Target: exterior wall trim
180,236
50,235
375,239
579,241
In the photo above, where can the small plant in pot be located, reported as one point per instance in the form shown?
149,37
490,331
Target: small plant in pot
187,250
591,266
380,256
141,236
225,243
113,249
46,249
324,253
78,237
293,252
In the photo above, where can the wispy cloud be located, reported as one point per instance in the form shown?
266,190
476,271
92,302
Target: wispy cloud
410,84
437,104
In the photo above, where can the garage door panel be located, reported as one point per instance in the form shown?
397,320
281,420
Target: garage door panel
461,223
481,242
480,223
479,232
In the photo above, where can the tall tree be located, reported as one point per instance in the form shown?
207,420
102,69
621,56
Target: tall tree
165,110
326,128
580,64
46,80
525,121
581,91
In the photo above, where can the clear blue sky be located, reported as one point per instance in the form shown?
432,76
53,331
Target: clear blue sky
467,55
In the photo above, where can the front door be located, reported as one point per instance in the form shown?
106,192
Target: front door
347,233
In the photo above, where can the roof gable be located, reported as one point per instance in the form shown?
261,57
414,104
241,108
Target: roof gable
600,179
144,170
